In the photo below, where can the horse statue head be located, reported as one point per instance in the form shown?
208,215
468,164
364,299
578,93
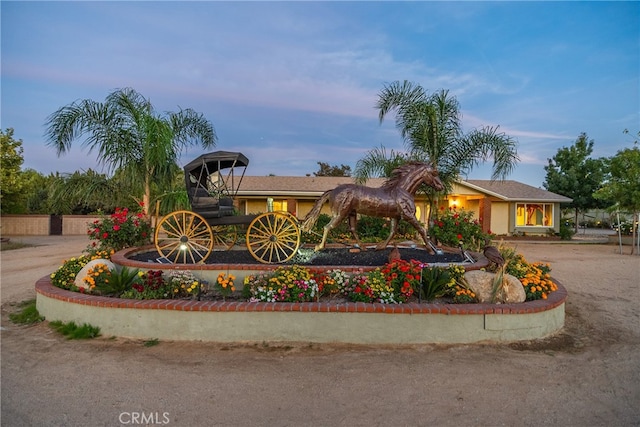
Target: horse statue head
411,175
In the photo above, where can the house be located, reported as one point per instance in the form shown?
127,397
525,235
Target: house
503,207
508,207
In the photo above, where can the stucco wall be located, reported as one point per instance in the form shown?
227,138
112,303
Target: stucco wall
500,223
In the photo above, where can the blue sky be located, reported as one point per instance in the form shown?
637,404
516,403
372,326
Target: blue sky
293,83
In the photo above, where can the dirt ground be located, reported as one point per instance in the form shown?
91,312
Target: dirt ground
587,375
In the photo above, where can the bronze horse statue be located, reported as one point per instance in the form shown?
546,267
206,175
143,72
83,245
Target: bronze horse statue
394,200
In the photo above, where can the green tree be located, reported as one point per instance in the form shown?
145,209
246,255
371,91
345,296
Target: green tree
11,180
327,170
130,136
37,189
84,192
573,173
623,184
431,127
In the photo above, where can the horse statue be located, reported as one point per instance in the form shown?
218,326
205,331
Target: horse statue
394,200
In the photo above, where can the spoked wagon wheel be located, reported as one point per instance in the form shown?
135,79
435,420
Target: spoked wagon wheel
184,237
224,236
273,237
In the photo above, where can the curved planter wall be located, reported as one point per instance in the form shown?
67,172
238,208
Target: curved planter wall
357,323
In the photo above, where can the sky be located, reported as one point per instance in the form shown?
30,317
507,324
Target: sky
291,84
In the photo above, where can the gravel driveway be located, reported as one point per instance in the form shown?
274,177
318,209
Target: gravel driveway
587,375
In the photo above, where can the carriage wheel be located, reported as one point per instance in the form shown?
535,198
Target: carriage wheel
184,237
224,236
273,237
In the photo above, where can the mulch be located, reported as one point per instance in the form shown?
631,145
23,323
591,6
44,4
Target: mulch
330,256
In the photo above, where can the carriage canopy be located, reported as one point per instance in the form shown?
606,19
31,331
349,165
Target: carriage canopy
216,173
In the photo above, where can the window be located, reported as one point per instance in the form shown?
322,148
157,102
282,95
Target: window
534,215
276,205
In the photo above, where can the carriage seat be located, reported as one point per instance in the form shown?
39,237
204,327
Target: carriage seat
210,207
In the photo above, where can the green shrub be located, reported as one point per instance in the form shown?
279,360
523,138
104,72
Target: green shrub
455,226
120,281
370,229
75,332
566,232
122,229
435,283
341,232
28,315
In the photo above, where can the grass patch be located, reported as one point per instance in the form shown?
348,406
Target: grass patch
75,332
9,245
28,315
151,342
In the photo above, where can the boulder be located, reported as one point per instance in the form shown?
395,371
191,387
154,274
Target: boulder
83,273
482,282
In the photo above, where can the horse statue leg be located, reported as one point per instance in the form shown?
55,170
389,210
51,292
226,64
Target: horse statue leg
393,228
353,226
337,219
423,232
409,214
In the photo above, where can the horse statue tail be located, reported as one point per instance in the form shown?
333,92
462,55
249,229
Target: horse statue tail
312,216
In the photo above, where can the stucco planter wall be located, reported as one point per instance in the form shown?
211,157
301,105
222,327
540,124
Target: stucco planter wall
355,323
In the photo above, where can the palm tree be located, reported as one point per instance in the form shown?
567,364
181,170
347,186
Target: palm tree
431,126
130,137
85,192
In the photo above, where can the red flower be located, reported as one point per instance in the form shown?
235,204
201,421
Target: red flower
116,227
459,236
105,235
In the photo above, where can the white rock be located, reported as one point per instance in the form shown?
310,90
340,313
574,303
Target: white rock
85,270
482,283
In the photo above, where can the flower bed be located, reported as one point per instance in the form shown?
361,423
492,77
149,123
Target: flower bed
396,282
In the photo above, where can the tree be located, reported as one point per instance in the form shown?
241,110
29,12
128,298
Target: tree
327,170
623,184
11,180
84,192
431,127
37,191
572,173
130,137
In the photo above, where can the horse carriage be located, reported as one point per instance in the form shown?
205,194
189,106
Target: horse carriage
212,182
